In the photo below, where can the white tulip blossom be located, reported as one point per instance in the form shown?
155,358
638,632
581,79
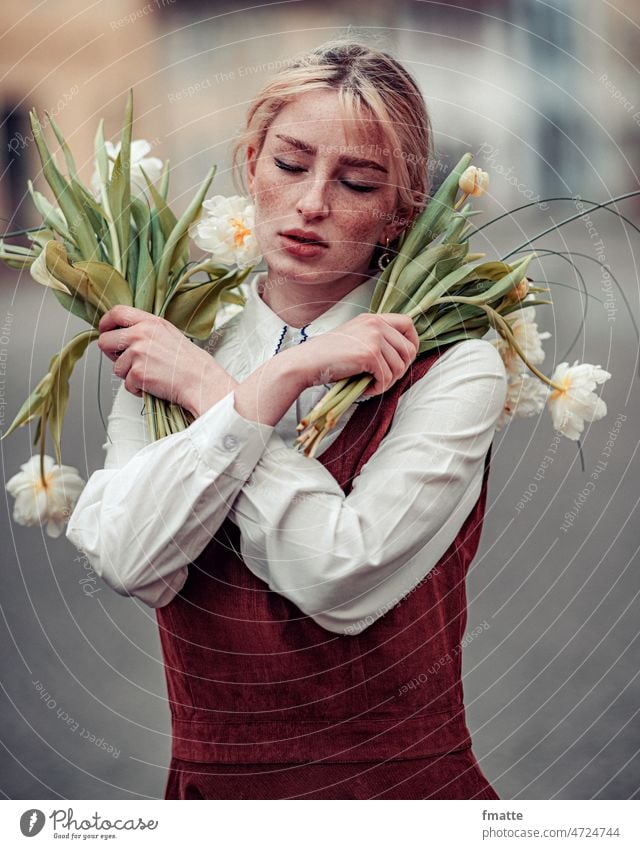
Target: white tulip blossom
50,501
140,161
526,397
525,330
227,231
474,181
576,402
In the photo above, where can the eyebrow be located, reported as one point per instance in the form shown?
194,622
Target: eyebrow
354,161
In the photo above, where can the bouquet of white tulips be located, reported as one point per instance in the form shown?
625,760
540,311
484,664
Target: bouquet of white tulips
451,295
121,244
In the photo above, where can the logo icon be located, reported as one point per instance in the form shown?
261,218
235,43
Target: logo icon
32,822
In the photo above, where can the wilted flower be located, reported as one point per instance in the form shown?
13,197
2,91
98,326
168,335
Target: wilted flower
525,330
526,397
42,275
140,161
474,181
227,231
51,501
576,402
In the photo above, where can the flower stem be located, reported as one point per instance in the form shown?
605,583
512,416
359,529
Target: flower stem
502,326
43,439
459,203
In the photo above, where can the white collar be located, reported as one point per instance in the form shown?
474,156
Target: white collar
258,318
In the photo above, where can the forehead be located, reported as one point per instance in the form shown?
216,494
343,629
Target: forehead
318,117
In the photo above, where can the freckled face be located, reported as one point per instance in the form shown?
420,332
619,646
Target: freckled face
311,176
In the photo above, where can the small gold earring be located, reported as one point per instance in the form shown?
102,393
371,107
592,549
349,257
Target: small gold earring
385,258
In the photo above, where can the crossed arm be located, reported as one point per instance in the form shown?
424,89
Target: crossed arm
154,507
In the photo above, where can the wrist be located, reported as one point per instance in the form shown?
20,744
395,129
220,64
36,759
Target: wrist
268,392
291,366
206,384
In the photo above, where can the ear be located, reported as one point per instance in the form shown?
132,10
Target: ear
251,168
398,223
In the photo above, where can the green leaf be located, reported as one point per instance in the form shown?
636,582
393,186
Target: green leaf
457,317
164,180
165,216
33,406
95,214
79,227
107,284
77,307
132,261
51,216
71,165
61,368
157,239
145,277
119,187
433,219
449,338
102,158
194,310
173,243
95,283
501,286
438,261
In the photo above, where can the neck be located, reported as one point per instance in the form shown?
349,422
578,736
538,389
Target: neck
297,304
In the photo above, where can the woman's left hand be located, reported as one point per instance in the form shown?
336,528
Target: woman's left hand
151,355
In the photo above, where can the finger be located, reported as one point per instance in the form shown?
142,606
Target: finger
131,385
406,346
121,316
383,369
404,325
114,342
122,364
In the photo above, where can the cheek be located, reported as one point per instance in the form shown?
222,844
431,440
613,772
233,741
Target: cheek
363,226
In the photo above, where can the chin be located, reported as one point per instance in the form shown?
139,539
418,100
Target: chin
300,270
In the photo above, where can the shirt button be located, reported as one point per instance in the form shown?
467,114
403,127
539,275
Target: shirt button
230,441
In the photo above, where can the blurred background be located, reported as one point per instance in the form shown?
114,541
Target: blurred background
546,95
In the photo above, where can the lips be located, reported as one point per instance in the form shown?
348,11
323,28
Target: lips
304,237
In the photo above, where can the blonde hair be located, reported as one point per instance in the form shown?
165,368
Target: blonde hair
372,86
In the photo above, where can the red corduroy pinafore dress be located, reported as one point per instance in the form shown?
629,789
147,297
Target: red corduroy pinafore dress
267,704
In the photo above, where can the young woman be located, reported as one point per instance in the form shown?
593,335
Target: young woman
311,610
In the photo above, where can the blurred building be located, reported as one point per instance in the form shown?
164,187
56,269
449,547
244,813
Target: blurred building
543,93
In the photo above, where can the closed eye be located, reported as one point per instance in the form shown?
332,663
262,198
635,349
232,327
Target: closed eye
356,187
286,167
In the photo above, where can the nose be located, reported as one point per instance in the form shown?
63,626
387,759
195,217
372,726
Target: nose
314,198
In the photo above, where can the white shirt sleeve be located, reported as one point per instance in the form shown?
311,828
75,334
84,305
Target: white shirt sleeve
345,561
155,505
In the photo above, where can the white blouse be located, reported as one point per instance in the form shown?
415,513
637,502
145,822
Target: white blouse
344,561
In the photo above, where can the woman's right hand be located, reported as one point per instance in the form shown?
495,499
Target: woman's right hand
381,344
